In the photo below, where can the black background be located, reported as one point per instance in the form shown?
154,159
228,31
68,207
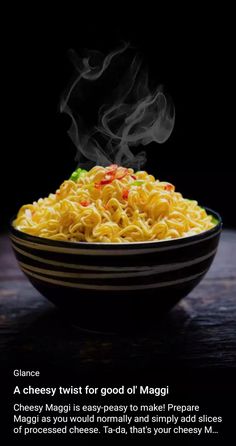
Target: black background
190,54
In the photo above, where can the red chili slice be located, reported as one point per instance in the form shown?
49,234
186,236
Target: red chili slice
122,173
111,175
84,203
169,187
108,179
125,194
121,176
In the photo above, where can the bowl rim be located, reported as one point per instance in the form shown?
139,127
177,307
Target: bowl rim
142,244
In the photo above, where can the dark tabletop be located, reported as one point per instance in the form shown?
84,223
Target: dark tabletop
199,332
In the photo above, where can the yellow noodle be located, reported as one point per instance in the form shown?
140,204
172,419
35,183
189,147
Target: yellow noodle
125,210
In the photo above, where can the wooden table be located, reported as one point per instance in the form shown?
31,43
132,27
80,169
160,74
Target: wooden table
199,332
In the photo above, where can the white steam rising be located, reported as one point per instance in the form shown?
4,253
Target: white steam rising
135,117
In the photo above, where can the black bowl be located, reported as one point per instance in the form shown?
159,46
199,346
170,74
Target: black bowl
115,287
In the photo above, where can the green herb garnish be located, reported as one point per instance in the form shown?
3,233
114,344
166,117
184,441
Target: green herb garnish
137,183
77,174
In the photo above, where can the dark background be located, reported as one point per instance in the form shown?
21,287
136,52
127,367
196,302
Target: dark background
192,58
192,54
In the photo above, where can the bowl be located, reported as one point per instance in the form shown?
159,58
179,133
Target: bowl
116,287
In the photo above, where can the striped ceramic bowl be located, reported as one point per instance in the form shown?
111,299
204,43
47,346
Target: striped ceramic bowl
116,286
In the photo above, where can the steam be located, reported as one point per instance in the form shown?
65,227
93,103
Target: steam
133,115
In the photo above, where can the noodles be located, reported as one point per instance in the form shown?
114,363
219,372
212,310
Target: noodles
114,205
